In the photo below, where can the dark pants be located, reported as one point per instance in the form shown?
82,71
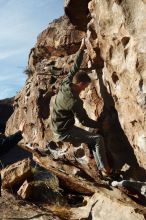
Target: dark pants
78,135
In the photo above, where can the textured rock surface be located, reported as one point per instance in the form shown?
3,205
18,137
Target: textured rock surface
120,32
16,173
55,48
101,207
40,192
116,49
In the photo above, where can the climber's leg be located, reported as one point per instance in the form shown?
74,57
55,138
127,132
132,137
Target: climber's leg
78,135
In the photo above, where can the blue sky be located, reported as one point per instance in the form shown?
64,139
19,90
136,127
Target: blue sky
20,23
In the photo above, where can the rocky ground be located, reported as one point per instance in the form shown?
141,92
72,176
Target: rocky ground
104,200
12,207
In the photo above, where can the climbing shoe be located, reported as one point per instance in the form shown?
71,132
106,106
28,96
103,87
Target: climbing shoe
113,175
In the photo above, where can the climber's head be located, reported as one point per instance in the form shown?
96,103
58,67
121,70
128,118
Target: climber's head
80,81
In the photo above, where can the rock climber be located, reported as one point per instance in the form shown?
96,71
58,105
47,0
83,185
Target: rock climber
68,105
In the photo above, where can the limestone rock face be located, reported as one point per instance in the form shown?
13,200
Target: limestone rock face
53,44
54,52
118,29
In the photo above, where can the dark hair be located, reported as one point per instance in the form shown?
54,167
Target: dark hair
81,76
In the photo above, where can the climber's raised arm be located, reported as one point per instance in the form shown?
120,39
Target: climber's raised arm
78,60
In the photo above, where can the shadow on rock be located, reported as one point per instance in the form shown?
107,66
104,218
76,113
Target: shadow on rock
120,152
